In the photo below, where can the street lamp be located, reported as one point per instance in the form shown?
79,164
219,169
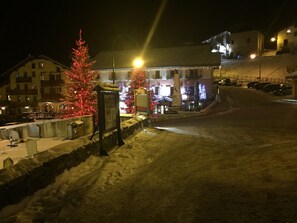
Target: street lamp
113,48
253,56
138,62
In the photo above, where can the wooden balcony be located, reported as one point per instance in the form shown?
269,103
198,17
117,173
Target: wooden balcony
51,97
16,104
52,83
22,91
24,79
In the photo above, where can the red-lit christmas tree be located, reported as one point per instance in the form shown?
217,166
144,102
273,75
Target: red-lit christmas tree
80,99
137,81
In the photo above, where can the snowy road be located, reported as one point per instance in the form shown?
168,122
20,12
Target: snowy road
234,165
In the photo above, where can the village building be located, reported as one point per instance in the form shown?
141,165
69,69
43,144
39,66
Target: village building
33,85
194,66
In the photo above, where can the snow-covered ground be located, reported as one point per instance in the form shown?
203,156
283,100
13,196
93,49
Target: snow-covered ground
272,68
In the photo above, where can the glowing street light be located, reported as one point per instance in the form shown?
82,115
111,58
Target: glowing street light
138,62
253,56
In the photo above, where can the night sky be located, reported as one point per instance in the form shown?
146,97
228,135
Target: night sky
51,28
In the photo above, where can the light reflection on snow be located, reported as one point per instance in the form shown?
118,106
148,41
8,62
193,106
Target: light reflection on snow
186,131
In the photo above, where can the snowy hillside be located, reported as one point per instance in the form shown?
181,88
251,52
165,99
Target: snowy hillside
268,68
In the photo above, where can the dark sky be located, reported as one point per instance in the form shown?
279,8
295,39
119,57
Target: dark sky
52,27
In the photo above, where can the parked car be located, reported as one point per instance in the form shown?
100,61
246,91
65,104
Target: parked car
260,85
252,84
271,87
224,82
283,91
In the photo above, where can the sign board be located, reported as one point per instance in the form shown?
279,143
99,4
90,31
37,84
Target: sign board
142,102
110,111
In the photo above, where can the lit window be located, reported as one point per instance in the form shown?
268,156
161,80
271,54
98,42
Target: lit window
165,90
202,91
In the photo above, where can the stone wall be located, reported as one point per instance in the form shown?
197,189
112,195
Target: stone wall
30,175
48,128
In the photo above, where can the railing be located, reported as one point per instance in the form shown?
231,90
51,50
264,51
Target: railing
248,79
21,91
40,115
51,83
51,96
23,104
23,79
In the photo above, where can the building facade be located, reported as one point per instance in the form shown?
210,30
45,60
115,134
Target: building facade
193,64
287,39
243,44
34,85
220,43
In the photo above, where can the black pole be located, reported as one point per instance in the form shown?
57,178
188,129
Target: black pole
101,113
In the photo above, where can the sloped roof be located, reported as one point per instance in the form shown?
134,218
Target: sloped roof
28,59
189,56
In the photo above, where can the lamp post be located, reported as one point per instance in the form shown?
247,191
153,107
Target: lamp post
113,48
253,56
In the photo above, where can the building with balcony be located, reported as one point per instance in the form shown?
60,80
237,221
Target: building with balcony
287,39
193,64
35,84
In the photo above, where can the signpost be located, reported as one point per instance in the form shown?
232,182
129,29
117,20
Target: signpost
108,113
142,101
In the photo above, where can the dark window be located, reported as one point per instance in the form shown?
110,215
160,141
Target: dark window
52,90
33,65
156,90
33,74
58,69
26,86
172,72
52,77
286,42
58,77
295,33
25,74
129,74
194,74
248,40
191,92
157,74
18,86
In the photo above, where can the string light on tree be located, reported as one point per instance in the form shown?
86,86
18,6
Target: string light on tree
80,99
